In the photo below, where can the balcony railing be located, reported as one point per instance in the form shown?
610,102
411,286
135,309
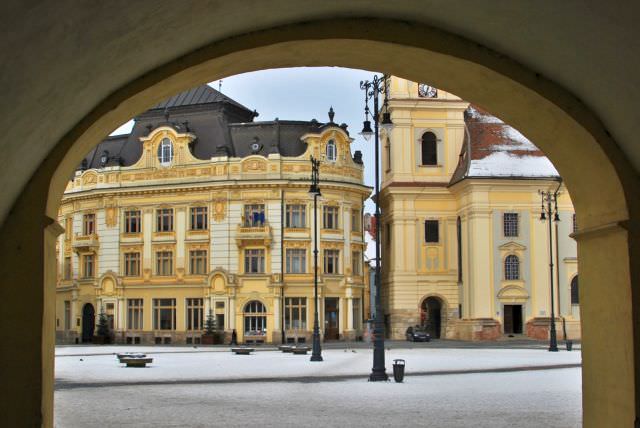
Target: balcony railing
86,242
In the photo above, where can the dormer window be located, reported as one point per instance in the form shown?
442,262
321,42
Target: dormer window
165,152
332,151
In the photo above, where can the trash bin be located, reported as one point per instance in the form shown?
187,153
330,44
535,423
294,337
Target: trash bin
398,370
569,345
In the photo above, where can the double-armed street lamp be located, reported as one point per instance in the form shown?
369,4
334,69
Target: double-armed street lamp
372,90
549,211
316,353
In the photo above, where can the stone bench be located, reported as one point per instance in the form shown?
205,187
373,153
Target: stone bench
136,361
300,350
285,348
242,351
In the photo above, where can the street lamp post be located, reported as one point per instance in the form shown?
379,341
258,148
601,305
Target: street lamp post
316,353
372,90
549,207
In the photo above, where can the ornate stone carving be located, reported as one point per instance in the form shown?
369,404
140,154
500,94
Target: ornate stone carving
219,210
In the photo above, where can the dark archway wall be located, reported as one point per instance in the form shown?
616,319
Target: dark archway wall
54,134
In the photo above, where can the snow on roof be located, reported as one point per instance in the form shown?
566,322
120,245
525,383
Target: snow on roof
504,164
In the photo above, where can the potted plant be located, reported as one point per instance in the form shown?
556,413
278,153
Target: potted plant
211,335
103,333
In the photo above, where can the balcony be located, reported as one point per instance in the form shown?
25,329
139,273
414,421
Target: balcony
86,243
253,235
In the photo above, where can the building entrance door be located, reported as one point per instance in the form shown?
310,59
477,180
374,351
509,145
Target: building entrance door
88,322
432,316
331,319
512,319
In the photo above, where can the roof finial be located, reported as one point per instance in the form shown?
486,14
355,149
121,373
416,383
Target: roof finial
331,114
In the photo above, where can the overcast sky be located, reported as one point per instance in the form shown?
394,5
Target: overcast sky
303,94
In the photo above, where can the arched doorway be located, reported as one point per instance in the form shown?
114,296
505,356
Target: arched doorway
88,322
431,316
255,321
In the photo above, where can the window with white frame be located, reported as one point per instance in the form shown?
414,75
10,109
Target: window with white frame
255,319
330,217
510,224
134,314
165,152
164,220
132,264
198,262
164,314
512,267
331,260
254,260
296,260
164,263
88,265
295,313
194,314
331,151
296,215
199,218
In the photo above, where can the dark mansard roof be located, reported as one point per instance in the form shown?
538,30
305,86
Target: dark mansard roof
222,126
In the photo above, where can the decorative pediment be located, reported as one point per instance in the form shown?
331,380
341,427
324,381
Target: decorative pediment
512,246
513,293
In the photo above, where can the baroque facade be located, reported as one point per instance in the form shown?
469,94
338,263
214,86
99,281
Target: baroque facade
202,210
466,253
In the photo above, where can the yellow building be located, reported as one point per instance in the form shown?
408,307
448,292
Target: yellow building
200,210
466,254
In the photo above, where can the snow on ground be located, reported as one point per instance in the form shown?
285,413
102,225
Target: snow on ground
172,364
549,398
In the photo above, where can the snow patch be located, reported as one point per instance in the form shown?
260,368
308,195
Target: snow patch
504,164
482,117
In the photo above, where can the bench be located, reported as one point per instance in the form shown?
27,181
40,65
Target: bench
242,351
285,348
300,350
136,361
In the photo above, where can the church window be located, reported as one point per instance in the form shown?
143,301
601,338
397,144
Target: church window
431,231
429,147
575,295
332,151
165,152
512,268
510,224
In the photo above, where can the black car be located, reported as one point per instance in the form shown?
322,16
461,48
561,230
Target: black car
417,334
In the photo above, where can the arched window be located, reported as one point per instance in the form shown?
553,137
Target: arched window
255,320
332,151
165,152
575,295
429,149
512,267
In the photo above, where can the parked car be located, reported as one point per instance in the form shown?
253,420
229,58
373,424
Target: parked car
417,334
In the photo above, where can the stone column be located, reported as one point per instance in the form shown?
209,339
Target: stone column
180,228
147,230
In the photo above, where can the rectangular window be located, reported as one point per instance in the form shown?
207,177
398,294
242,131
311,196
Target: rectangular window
194,314
510,224
199,218
110,313
296,260
134,314
67,315
254,261
295,313
88,265
67,268
357,314
431,231
198,262
131,264
296,216
164,220
356,263
132,221
254,215
331,261
88,224
68,228
164,263
164,314
355,221
330,217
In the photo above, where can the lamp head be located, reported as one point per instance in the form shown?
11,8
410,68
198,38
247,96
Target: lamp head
543,216
386,123
556,217
367,132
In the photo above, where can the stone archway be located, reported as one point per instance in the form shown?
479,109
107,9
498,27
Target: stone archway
601,181
433,316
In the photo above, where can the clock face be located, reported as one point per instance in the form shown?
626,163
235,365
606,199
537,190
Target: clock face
255,147
427,91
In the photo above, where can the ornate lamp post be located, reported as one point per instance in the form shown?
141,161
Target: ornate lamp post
372,90
549,208
316,353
